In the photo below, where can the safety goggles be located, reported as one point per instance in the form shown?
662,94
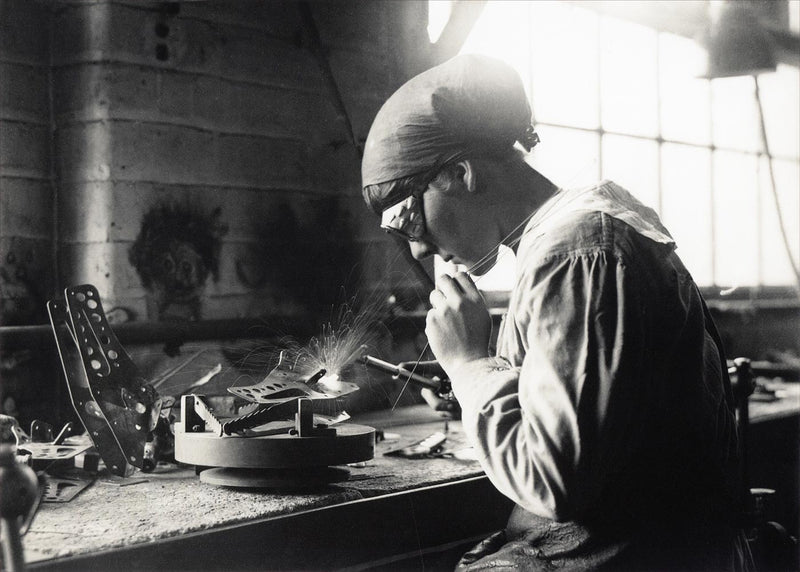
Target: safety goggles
405,218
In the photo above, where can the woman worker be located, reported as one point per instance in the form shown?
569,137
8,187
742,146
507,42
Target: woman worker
606,414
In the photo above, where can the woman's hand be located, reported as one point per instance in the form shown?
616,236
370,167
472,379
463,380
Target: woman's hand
458,324
448,406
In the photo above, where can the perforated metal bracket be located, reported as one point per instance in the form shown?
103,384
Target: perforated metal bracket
62,489
83,401
285,382
116,405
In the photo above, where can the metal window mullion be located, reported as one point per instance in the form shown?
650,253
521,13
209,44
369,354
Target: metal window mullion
656,139
531,74
601,133
711,182
759,223
660,135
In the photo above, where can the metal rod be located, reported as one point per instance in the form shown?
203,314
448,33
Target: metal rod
172,332
398,371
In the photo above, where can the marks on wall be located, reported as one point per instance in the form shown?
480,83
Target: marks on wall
24,282
309,260
175,252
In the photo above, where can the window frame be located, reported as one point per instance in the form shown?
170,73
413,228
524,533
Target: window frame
758,293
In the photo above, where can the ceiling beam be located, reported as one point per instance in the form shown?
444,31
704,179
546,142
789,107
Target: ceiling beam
463,15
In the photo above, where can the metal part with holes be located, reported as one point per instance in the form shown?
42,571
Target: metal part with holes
285,381
44,449
83,401
60,489
116,405
51,452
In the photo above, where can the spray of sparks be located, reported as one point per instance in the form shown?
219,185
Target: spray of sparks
340,343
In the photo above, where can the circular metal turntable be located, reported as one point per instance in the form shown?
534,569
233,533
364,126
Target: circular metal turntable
284,480
298,455
350,444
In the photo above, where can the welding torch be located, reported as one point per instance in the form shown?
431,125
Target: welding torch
437,385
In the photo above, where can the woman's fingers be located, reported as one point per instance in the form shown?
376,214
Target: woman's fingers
458,286
437,298
468,286
449,287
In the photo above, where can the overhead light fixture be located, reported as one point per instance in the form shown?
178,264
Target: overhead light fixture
737,43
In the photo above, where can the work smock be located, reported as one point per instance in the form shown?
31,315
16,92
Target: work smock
606,415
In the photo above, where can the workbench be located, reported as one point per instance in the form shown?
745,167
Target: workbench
393,511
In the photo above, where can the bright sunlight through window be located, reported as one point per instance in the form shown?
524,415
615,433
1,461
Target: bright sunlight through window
616,100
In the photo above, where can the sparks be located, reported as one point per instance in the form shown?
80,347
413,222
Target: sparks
338,345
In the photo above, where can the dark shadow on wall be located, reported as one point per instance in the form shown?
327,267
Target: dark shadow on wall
176,250
310,262
24,282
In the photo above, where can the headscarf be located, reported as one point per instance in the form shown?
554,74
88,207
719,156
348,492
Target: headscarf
468,103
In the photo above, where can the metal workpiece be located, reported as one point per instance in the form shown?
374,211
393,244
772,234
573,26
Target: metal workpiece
296,441
116,405
289,380
277,457
279,439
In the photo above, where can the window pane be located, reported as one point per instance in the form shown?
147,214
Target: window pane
736,219
632,163
780,97
563,55
686,206
629,83
734,114
685,100
775,267
568,157
794,17
502,31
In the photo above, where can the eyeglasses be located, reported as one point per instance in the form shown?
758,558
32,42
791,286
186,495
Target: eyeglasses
405,218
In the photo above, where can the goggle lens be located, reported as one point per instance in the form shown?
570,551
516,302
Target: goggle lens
405,219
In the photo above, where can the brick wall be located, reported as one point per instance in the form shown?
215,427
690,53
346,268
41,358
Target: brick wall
26,191
217,104
214,104
109,108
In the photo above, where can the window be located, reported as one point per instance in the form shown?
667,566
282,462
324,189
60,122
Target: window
616,100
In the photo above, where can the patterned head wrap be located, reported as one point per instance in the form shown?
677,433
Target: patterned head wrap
469,103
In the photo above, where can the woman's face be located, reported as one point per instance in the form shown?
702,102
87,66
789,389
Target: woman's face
456,228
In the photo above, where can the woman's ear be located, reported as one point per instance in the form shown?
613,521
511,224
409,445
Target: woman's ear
466,172
456,177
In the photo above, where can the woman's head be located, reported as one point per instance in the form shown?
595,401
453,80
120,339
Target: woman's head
436,145
470,105
454,212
